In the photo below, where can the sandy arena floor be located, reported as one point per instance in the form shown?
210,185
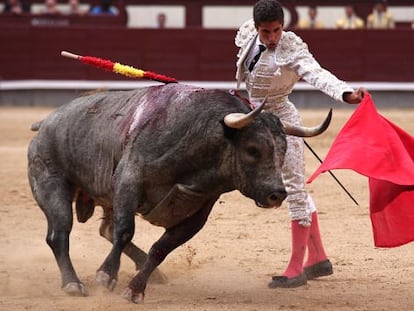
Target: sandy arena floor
226,266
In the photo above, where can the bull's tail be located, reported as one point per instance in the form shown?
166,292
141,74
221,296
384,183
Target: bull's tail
36,126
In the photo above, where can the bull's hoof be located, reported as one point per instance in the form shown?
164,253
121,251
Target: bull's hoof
129,295
75,289
105,280
157,277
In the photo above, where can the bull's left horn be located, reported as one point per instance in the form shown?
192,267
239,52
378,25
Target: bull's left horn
239,120
302,131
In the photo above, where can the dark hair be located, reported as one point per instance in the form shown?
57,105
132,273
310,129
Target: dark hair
267,11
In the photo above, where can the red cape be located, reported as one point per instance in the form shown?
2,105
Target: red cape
373,146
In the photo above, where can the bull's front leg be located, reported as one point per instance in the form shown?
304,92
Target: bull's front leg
137,255
171,239
125,202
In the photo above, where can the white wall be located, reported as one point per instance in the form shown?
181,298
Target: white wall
229,17
145,16
329,15
234,16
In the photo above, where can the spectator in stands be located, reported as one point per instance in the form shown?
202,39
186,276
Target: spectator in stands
105,7
13,7
350,20
74,8
380,16
312,22
51,8
161,20
271,61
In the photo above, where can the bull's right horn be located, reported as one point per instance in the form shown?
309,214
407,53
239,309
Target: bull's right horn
239,120
302,131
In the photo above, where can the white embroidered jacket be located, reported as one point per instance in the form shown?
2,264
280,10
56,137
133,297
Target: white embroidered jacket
277,71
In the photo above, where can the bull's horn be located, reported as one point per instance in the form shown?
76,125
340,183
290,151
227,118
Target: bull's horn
302,131
239,120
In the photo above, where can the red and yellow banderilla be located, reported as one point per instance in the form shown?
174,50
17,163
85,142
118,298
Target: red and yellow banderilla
125,70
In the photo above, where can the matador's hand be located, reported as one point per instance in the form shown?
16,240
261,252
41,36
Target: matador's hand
355,97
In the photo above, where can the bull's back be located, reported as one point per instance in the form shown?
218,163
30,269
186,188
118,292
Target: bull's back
84,139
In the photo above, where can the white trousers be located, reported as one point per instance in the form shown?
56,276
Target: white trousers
299,202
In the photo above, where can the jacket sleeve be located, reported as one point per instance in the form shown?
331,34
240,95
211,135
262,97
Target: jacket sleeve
306,66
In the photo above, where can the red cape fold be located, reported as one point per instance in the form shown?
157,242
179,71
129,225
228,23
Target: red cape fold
373,146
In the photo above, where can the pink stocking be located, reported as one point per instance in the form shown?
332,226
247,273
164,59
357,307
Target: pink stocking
316,252
300,237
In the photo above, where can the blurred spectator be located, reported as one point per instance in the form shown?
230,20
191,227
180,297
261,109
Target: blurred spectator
350,20
380,16
51,8
161,20
312,21
74,8
14,7
105,7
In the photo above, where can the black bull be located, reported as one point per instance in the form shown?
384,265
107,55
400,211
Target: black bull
166,153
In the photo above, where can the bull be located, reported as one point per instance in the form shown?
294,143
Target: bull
163,152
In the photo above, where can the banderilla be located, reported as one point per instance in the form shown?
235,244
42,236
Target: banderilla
333,176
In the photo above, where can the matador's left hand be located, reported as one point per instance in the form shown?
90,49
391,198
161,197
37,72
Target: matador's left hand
356,96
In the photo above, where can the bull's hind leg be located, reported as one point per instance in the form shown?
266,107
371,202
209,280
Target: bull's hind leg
137,255
54,196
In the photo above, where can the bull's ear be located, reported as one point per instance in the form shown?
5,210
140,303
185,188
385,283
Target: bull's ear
240,120
302,131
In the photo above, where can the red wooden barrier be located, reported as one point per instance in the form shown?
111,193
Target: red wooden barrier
194,54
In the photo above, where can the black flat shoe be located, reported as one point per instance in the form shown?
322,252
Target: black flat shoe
285,282
322,268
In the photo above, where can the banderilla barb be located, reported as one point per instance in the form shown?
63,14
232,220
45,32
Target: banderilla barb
333,176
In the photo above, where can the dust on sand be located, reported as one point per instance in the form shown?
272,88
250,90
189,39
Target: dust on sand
226,266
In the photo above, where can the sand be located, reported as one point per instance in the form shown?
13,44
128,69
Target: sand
226,266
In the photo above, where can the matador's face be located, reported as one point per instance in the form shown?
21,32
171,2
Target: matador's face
270,33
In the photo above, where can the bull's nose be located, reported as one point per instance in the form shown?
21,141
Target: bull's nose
276,198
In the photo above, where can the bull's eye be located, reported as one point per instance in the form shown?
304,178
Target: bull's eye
253,152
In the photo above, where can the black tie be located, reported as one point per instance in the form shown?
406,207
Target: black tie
257,56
